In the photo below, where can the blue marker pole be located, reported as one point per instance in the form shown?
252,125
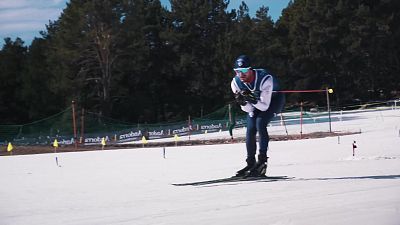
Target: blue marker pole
354,147
164,152
57,162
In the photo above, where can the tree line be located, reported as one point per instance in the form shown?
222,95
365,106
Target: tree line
138,61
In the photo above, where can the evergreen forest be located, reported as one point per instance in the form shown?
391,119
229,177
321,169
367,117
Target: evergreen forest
138,61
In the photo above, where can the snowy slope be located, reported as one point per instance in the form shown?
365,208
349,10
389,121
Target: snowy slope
330,186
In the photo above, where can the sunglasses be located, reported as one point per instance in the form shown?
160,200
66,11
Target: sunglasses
241,70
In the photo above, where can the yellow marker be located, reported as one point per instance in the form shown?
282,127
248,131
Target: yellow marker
330,90
103,141
9,147
144,141
55,143
176,137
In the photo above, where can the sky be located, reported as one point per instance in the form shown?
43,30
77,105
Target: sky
327,184
26,18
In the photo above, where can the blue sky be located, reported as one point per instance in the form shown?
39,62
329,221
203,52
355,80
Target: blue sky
25,18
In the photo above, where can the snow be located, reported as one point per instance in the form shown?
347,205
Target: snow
134,186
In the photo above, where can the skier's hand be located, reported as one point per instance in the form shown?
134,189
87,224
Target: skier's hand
240,99
249,97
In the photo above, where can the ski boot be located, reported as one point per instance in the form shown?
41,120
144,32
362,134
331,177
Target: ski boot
251,162
260,168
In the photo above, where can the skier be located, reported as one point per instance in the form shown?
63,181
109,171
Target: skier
253,90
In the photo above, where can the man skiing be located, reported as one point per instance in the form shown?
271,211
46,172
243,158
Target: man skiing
254,92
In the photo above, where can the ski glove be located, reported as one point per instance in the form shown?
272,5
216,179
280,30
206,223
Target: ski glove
248,96
240,99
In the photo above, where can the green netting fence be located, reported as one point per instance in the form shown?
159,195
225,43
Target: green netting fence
90,128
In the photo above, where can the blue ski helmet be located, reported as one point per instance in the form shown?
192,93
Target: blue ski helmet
242,61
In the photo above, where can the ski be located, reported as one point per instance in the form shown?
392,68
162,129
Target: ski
234,179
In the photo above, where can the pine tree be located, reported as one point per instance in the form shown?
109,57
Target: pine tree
12,67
